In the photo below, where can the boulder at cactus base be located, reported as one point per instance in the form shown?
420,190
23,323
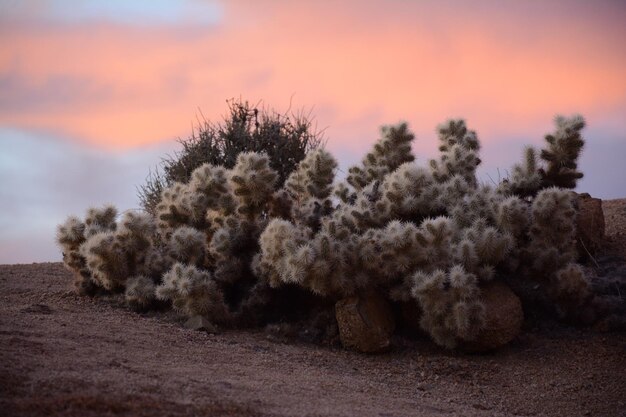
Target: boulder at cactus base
365,323
589,224
503,318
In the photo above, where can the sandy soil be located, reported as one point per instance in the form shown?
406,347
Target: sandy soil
62,354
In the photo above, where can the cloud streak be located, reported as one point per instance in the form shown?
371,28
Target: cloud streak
134,13
109,84
46,178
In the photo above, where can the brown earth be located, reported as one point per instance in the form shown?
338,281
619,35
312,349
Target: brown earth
66,355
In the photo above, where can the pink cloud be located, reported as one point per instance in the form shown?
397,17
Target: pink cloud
368,62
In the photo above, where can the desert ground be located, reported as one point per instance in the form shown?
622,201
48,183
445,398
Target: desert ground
66,355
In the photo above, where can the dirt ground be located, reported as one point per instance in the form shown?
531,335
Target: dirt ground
66,355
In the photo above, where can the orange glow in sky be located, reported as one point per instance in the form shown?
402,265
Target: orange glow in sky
358,64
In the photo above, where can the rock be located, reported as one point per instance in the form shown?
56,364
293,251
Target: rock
589,225
365,323
503,318
200,323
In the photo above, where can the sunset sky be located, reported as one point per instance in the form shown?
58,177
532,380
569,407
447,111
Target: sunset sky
93,93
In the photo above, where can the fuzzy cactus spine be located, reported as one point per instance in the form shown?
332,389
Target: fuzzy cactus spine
561,154
193,292
391,151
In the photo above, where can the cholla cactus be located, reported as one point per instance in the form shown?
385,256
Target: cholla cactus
230,246
252,183
307,190
193,292
525,179
233,235
571,288
289,256
564,147
552,249
106,259
409,192
279,242
188,245
140,293
450,305
172,212
313,177
459,152
214,221
560,161
208,188
393,251
187,204
477,203
156,261
513,216
400,224
382,232
113,257
553,230
70,236
100,220
490,245
389,153
136,231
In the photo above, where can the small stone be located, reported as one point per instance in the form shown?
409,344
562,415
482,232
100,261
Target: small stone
503,318
424,387
200,323
37,309
365,323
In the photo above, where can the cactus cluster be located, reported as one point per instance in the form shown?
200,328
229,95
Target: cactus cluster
434,234
559,158
284,137
231,243
193,292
